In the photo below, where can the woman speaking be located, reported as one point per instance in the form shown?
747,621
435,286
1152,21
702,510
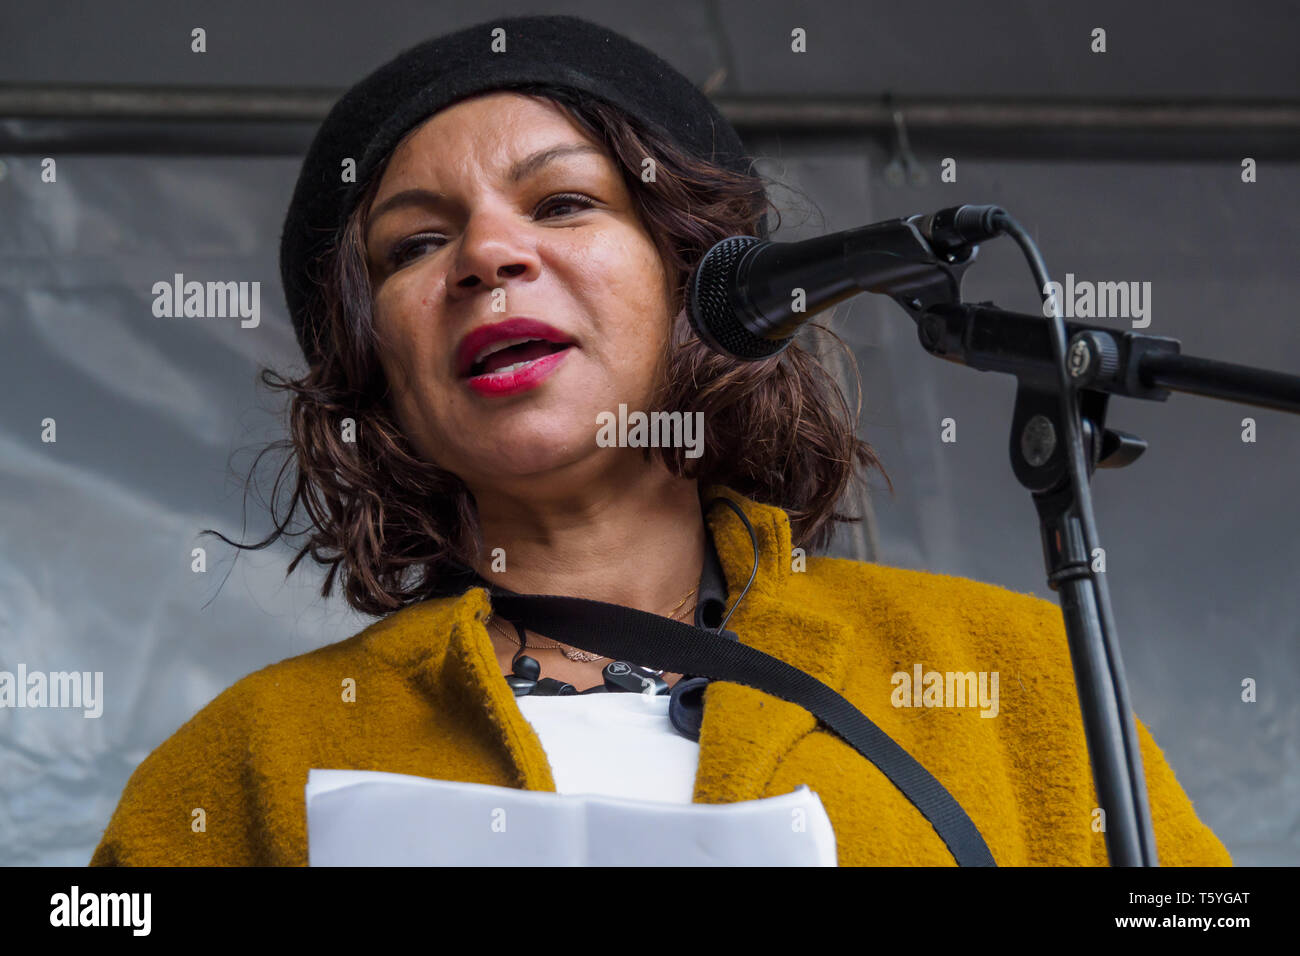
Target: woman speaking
485,256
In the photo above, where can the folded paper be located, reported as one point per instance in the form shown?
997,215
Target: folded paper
369,818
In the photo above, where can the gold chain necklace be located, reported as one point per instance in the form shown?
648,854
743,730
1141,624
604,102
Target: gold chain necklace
573,653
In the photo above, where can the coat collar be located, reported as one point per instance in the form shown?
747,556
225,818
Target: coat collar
745,732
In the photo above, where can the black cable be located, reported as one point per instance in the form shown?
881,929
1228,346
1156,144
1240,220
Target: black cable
1074,452
753,540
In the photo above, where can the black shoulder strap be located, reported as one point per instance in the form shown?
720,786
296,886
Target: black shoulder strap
624,633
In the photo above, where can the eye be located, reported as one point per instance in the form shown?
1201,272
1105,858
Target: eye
568,199
397,255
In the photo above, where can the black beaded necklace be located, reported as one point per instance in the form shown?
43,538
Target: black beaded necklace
619,676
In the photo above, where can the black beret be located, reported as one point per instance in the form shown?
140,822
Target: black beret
370,119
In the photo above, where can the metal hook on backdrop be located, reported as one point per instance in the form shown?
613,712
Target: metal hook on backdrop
903,164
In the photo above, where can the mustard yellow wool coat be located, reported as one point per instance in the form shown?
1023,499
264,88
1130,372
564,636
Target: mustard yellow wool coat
431,701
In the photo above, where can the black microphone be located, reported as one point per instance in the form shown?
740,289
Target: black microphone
748,296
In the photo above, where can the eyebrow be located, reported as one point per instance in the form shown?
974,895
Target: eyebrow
520,170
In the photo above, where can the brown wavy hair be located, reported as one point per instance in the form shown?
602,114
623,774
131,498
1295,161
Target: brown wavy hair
777,431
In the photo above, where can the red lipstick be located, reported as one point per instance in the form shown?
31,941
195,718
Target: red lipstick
529,376
529,356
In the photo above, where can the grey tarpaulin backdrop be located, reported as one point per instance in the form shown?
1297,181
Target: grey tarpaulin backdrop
96,530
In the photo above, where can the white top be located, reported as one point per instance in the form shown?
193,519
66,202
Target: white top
616,744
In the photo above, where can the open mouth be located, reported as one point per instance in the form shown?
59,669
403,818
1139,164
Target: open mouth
511,356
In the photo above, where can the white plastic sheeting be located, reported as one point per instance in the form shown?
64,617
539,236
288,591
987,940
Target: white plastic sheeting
97,528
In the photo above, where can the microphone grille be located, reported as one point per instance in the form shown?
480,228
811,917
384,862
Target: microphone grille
711,311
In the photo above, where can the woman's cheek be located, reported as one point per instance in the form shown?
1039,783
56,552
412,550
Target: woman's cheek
610,253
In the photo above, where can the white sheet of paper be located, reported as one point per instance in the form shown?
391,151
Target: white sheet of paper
369,818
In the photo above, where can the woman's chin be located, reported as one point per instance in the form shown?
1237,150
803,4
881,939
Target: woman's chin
523,451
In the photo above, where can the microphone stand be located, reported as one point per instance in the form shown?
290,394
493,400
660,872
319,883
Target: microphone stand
1101,362
919,263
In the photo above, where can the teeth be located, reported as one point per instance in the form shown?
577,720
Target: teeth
502,344
511,368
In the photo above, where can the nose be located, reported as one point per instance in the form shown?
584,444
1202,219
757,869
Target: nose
493,247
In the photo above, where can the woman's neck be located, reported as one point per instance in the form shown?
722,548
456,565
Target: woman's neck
638,542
